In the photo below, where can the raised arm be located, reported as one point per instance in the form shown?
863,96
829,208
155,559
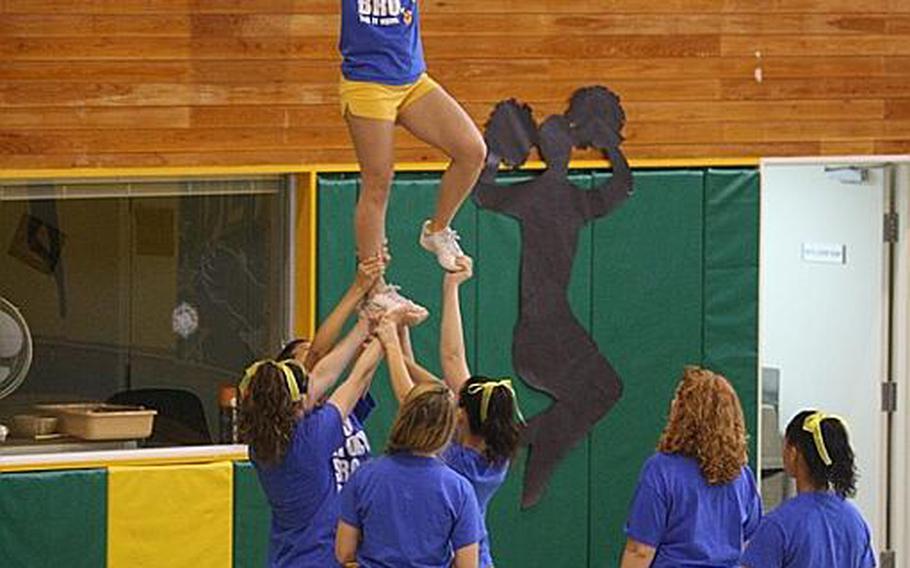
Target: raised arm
331,366
609,195
452,355
358,382
399,377
417,372
368,271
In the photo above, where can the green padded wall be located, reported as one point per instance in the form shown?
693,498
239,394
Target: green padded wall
335,255
648,321
52,519
731,283
668,279
251,519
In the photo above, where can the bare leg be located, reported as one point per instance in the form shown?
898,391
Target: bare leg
437,119
374,143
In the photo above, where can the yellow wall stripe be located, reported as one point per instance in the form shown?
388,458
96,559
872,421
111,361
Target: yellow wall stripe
305,222
313,228
167,171
170,516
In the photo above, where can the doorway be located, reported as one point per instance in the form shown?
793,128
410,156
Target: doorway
830,268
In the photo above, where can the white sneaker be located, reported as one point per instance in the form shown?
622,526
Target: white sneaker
387,301
444,244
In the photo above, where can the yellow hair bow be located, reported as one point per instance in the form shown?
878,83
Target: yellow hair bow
286,372
487,389
813,425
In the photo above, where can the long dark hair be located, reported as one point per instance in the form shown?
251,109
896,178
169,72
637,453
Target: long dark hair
841,474
500,431
267,413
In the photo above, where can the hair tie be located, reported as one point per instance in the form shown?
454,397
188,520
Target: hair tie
813,425
487,388
283,368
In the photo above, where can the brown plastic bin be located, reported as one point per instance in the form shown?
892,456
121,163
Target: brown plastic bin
97,421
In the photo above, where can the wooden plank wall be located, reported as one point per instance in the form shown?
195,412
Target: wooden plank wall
242,82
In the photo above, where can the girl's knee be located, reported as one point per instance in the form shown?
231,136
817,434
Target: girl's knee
471,152
376,183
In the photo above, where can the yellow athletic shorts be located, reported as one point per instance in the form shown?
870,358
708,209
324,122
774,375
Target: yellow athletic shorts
381,102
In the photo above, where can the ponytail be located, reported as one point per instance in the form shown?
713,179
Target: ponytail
824,443
493,414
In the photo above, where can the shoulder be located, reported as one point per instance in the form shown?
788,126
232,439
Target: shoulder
746,479
771,529
451,478
661,464
458,456
327,412
452,452
852,512
318,419
370,469
458,488
790,512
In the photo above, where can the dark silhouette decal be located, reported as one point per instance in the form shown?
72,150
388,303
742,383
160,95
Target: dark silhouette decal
551,350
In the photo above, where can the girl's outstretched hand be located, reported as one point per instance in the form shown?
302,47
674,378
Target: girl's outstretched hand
369,271
465,271
387,331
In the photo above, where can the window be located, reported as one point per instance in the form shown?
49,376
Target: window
135,285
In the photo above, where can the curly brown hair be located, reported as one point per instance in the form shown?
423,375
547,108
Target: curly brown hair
706,423
267,415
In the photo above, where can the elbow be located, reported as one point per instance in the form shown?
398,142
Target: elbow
344,553
451,358
637,554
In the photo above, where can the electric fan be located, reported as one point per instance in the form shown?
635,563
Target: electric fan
15,348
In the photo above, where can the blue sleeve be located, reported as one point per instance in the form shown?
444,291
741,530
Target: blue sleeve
649,511
350,512
766,548
753,504
324,427
364,407
868,558
468,528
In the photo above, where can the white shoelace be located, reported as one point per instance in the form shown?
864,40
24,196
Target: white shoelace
450,238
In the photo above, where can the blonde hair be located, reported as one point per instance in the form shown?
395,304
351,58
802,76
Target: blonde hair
425,421
706,423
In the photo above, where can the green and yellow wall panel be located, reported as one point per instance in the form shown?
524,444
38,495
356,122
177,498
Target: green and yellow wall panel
669,279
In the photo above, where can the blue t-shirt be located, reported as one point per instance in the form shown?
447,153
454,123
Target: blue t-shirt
485,477
688,521
380,41
411,510
812,529
356,447
302,490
